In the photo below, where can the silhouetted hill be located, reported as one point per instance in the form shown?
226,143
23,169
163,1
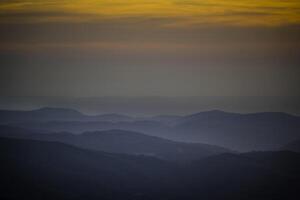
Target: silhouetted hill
212,114
120,141
43,114
49,170
149,127
55,114
292,146
167,119
257,131
112,117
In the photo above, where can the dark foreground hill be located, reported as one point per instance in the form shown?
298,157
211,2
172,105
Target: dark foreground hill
292,146
254,175
50,170
120,141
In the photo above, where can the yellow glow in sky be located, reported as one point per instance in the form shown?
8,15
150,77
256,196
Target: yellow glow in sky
177,12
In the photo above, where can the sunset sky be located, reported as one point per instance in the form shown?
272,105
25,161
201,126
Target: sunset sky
177,13
87,48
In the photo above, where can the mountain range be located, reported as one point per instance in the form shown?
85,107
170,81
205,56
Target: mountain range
54,153
242,132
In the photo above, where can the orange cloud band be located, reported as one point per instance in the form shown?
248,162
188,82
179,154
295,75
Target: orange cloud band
180,12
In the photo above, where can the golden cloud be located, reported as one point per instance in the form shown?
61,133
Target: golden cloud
182,12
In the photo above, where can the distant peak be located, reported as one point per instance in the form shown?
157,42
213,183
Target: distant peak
54,109
112,132
113,115
215,111
211,112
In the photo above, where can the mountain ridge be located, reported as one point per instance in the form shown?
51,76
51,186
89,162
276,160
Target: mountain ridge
121,141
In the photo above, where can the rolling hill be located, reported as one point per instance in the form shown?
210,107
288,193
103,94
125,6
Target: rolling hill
120,141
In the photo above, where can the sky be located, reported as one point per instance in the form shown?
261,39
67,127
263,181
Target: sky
94,48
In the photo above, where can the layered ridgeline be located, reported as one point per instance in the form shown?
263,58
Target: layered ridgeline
32,169
243,132
47,156
255,131
120,141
